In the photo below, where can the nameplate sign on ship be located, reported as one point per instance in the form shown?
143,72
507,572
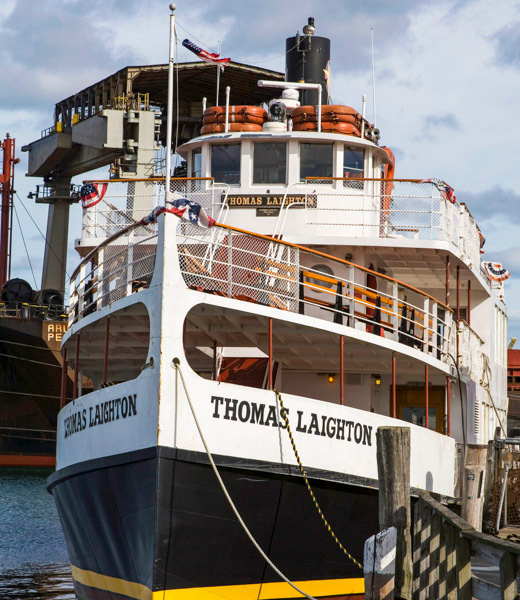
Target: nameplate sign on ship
53,332
307,422
100,414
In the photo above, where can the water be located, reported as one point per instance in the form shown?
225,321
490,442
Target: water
33,555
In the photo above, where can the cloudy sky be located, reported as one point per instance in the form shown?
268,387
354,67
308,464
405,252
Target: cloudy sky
447,77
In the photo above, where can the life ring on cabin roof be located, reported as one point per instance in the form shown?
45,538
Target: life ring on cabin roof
334,113
221,127
345,128
237,114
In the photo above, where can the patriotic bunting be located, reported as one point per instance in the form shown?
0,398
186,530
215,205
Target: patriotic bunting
448,193
185,209
91,194
495,271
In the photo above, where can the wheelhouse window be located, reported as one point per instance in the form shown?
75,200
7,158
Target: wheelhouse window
353,163
196,163
270,162
225,163
315,160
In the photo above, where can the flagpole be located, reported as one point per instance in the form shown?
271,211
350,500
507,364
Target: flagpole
218,75
169,113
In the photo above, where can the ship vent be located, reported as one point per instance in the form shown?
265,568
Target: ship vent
476,422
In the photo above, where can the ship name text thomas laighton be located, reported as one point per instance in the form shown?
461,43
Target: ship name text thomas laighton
311,423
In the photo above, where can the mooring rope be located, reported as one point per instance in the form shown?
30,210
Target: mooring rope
306,479
176,365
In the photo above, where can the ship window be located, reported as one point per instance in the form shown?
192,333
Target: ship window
353,163
315,160
225,163
196,163
270,162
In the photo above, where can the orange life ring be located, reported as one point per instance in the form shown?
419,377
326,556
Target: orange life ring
237,114
345,128
335,113
221,127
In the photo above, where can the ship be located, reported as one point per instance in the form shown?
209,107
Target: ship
248,325
32,324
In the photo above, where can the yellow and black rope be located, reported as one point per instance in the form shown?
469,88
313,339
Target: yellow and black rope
283,412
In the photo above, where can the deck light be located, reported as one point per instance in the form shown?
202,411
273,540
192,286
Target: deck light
377,380
331,378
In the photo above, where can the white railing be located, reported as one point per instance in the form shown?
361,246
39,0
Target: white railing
120,266
128,201
262,270
469,238
383,208
469,352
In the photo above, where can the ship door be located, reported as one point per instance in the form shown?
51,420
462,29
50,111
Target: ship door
411,406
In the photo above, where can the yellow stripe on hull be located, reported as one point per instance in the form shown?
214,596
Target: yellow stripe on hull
253,591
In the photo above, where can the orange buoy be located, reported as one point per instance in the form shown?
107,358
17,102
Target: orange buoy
334,113
345,128
237,114
221,127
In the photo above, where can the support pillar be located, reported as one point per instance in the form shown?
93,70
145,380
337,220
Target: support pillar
341,370
426,369
76,368
270,354
63,393
469,303
105,363
447,302
394,390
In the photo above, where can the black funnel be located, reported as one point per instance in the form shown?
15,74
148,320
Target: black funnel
306,60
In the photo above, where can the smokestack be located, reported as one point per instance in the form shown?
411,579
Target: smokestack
306,60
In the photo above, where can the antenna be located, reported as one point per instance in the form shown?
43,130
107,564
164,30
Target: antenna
373,75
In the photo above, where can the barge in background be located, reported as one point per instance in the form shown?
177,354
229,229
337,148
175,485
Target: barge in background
32,324
324,278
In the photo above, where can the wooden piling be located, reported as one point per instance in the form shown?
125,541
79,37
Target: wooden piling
393,467
473,485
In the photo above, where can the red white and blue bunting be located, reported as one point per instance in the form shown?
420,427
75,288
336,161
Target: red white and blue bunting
185,209
448,193
495,271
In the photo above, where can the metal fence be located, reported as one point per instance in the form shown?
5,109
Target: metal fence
115,269
128,201
392,209
253,268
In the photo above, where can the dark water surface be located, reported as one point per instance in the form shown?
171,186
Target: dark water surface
33,555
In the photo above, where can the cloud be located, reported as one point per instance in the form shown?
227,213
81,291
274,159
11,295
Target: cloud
509,257
492,203
507,44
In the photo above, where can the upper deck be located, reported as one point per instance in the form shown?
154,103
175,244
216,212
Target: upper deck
328,188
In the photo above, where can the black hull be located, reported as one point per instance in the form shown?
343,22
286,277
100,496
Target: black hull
155,523
30,387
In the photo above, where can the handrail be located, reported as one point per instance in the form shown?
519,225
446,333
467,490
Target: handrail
335,259
271,239
133,180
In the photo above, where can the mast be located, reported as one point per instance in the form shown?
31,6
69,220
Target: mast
170,101
7,184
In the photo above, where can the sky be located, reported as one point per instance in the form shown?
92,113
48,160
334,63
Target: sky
447,87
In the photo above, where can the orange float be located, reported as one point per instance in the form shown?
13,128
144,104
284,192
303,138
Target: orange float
334,113
237,114
345,128
221,127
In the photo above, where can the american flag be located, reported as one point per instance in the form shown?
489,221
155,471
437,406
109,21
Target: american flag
91,194
210,57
